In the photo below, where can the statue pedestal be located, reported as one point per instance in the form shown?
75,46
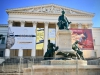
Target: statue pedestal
64,40
64,62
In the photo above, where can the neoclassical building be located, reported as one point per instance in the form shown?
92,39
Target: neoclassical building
22,21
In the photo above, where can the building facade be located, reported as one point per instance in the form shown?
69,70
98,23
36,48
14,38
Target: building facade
31,27
96,33
3,37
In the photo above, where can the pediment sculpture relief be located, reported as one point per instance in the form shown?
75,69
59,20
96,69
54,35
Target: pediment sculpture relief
50,9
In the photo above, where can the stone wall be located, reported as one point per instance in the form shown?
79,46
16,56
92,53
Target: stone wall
62,70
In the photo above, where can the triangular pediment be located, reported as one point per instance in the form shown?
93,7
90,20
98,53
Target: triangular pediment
50,9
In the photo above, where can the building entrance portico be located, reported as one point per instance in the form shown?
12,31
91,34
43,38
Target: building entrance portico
34,24
42,34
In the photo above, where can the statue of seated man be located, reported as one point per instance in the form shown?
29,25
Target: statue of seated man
79,52
63,22
51,48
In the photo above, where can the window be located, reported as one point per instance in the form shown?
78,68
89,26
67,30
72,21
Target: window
16,24
2,39
28,25
1,53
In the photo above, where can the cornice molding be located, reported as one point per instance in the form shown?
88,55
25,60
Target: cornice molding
50,9
42,14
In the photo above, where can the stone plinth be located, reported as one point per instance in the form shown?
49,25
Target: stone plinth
64,62
64,39
62,70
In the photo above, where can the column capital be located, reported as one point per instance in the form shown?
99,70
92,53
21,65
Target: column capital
22,22
34,22
79,25
46,23
90,25
10,21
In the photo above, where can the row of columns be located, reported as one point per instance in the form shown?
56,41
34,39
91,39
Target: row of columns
80,25
33,52
89,25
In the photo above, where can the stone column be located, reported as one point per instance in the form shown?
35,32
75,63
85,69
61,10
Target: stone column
10,23
45,36
7,51
22,23
56,32
20,52
79,26
33,52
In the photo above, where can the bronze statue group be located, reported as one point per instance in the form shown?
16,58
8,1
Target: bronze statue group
63,23
51,48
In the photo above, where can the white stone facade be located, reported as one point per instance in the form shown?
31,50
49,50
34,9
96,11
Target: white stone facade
96,38
47,15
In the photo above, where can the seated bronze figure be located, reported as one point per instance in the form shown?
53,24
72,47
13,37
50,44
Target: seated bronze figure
51,48
63,22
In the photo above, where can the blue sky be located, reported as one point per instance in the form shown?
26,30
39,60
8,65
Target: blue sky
92,6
